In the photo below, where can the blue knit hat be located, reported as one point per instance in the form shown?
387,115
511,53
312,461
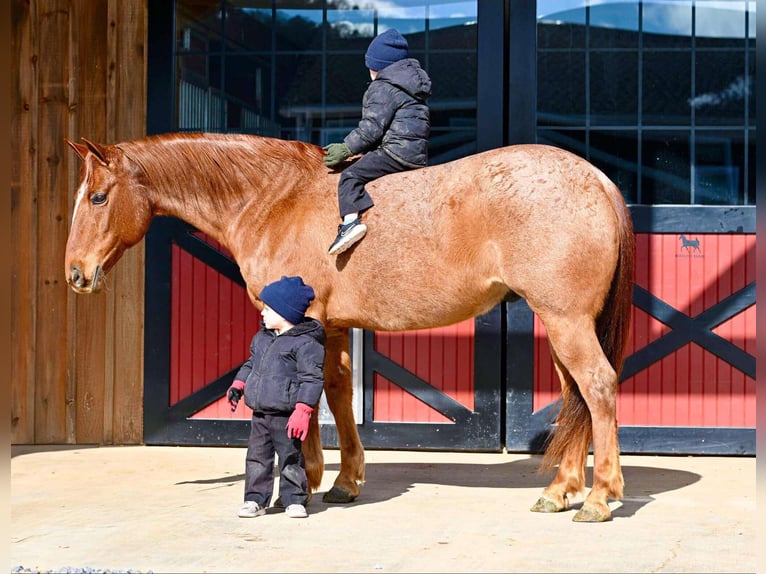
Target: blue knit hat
385,49
289,297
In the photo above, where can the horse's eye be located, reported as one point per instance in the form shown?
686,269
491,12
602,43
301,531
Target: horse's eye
98,198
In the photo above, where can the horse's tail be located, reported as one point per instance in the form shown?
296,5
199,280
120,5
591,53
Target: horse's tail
613,323
612,330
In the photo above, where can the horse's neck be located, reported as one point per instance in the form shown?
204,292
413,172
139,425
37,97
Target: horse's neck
197,183
198,210
209,182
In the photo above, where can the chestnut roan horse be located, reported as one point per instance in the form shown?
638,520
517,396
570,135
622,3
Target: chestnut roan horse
445,243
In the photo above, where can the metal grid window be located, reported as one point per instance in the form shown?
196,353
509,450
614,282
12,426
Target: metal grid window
294,69
660,94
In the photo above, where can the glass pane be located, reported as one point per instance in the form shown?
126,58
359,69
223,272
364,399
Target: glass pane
248,25
561,88
753,87
571,11
350,29
719,167
616,154
751,168
614,25
248,88
571,140
722,88
560,24
613,88
298,93
667,24
347,80
720,23
298,30
454,77
452,25
665,168
453,106
409,19
666,88
199,104
196,24
298,81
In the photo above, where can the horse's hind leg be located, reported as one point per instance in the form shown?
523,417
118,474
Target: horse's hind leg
577,348
339,393
569,449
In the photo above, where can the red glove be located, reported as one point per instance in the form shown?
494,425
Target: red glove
298,423
234,393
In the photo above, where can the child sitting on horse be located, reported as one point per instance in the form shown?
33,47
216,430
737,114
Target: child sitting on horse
392,134
282,382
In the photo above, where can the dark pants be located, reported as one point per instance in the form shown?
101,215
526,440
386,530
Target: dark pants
267,436
352,196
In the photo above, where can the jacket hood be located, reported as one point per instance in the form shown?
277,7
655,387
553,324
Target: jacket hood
407,75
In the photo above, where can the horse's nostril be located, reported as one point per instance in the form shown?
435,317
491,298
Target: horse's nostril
78,279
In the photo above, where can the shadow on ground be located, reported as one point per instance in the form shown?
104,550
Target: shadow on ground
386,481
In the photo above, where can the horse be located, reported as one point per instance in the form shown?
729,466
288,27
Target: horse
689,244
445,243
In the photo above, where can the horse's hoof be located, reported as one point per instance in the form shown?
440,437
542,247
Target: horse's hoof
592,514
546,505
338,495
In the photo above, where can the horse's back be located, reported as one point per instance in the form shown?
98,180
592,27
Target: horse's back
523,189
514,219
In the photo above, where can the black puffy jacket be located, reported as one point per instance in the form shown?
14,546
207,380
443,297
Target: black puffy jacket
395,115
286,369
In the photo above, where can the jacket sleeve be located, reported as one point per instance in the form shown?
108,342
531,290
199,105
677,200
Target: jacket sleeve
247,366
378,109
310,367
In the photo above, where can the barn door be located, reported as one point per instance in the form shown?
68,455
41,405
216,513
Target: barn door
437,389
688,382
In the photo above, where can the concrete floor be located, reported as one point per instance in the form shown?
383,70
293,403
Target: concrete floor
173,509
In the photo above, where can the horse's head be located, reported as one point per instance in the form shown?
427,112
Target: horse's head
111,213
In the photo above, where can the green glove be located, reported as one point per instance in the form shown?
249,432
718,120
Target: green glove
336,153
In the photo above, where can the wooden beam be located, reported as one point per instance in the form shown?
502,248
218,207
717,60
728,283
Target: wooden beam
87,349
24,98
51,398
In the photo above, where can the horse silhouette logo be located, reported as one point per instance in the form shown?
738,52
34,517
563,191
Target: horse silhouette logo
690,244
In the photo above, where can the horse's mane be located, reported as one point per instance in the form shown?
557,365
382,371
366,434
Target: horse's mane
226,168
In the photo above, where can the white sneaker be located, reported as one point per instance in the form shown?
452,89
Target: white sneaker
251,509
296,511
348,234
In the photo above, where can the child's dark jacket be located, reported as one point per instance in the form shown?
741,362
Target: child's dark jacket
395,115
286,369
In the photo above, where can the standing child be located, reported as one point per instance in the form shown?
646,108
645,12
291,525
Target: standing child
392,134
282,382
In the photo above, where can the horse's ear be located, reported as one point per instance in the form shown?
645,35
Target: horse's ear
79,149
98,150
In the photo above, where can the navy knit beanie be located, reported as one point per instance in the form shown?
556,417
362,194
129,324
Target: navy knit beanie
385,49
289,297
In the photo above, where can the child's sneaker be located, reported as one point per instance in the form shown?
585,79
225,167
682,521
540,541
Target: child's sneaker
296,511
348,234
251,509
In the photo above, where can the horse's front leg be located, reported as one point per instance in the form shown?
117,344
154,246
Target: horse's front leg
339,393
312,454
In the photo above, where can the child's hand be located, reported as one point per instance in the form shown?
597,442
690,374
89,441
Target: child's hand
336,153
234,393
298,423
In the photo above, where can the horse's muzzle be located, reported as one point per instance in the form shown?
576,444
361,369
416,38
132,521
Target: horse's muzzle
79,282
